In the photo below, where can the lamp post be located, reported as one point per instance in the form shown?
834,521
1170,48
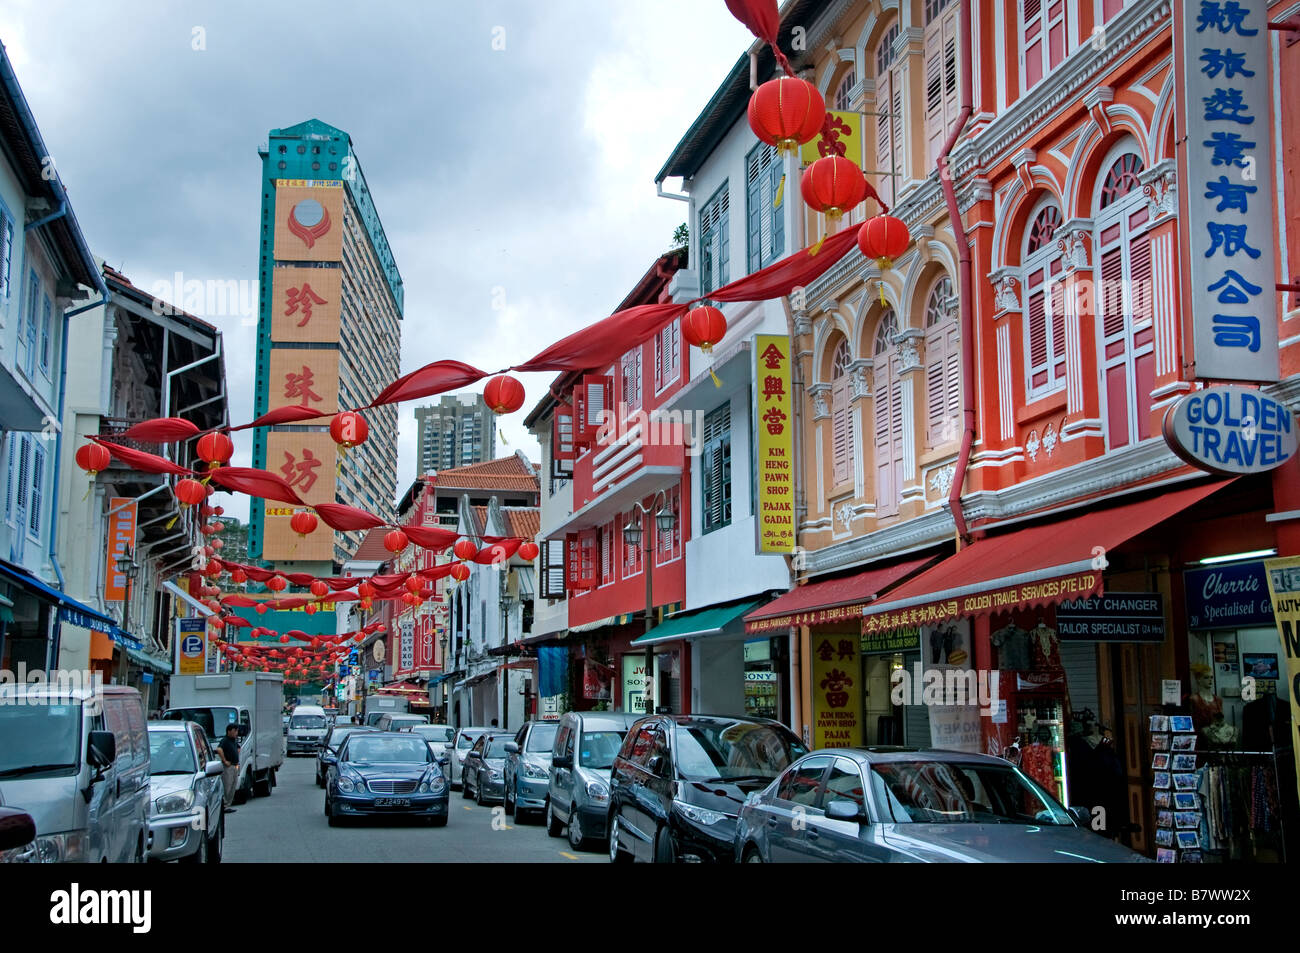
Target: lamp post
633,535
127,568
507,604
442,683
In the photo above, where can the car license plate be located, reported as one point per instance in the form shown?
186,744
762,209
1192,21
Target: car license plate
392,802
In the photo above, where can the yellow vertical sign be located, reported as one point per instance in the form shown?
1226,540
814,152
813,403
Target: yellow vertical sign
775,426
1284,591
836,692
845,132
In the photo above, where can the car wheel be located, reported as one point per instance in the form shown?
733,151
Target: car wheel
553,825
334,819
218,842
507,802
320,781
577,839
752,855
245,790
479,798
200,856
665,853
464,785
439,821
263,787
617,855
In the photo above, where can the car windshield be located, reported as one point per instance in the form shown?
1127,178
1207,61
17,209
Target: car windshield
541,738
213,721
39,738
718,751
497,747
362,749
943,792
599,747
439,734
338,733
467,741
307,721
170,752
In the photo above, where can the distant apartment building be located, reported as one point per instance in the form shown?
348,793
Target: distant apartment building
455,432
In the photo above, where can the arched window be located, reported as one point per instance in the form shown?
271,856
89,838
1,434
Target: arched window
889,113
1044,326
843,99
1123,302
942,365
888,416
842,455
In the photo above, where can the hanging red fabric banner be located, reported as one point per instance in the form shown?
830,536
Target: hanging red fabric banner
606,340
436,378
259,483
284,415
345,518
430,537
143,461
160,430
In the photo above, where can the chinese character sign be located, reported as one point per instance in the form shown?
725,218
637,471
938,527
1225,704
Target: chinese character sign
841,135
305,304
121,537
309,463
302,376
836,689
775,428
1229,189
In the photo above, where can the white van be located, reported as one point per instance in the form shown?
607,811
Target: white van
77,761
307,729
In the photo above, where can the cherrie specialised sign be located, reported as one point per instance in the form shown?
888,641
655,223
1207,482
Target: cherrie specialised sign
1231,429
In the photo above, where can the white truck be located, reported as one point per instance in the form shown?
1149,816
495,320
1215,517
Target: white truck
252,700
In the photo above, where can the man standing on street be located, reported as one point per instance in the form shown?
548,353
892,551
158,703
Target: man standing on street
228,750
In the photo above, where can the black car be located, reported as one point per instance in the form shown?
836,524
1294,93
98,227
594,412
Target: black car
679,782
328,751
385,773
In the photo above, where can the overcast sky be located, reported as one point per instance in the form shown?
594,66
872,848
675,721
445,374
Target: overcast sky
528,169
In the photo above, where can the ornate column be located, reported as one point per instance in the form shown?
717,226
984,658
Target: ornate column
1082,384
1006,316
1160,185
861,377
911,378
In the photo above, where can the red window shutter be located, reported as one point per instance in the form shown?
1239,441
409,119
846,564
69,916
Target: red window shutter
588,568
606,555
1031,23
1112,291
1139,273
841,438
573,561
1056,14
579,417
1057,328
1036,329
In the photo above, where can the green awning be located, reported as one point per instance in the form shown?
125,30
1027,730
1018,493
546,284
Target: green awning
689,625
145,660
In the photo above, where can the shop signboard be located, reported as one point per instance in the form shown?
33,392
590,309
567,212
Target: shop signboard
121,538
634,683
1112,617
1228,597
1231,430
836,690
887,643
191,646
775,429
1284,590
1226,187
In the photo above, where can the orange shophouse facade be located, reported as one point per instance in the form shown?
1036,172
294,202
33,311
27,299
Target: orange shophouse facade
1067,178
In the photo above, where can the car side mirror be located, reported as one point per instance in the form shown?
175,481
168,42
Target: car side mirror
243,731
656,766
1082,816
562,761
17,829
512,748
102,749
842,809
212,769
444,760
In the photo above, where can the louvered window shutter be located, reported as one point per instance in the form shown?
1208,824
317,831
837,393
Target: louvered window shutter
841,438
1036,329
884,140
38,489
24,471
573,561
1031,27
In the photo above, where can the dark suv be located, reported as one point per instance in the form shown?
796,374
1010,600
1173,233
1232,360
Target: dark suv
679,781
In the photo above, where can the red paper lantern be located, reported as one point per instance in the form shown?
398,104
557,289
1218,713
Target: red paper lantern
189,492
319,589
465,549
205,511
460,572
413,583
504,394
408,598
218,544
365,590
219,510
395,541
213,568
883,238
309,608
349,429
92,458
277,584
284,638
238,577
214,449
528,550
303,522
704,327
833,185
207,529
787,112
209,551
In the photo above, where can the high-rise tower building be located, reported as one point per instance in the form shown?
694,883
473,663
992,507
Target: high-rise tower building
455,432
328,337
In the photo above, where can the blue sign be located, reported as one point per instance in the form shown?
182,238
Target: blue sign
146,677
192,645
1231,429
1227,597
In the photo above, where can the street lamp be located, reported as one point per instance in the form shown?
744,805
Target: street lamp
126,567
633,536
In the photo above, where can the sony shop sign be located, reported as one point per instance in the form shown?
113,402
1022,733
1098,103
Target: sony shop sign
1231,429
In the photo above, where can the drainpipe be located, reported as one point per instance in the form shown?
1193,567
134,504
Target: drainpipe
58,213
966,289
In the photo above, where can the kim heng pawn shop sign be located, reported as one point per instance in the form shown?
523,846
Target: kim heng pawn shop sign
1226,188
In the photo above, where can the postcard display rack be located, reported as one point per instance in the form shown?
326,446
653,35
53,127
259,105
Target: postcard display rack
1178,808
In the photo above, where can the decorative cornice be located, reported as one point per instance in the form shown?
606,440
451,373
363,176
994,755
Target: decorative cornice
1075,243
1006,298
929,529
1160,186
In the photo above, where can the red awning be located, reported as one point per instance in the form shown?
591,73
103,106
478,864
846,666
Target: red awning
835,600
1043,564
401,687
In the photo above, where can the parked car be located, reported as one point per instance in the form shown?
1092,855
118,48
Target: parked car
77,761
577,795
528,767
328,751
906,804
396,721
185,819
679,781
17,836
286,726
250,700
460,745
483,773
385,773
438,737
307,729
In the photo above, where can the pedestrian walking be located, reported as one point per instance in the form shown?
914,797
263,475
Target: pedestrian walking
228,751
